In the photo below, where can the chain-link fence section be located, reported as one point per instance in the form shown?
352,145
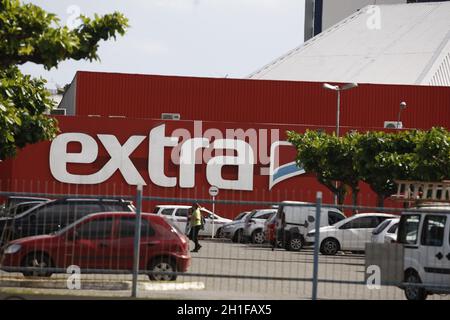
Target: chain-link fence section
273,250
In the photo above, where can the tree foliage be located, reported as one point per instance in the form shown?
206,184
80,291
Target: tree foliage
433,156
30,34
377,158
383,157
330,158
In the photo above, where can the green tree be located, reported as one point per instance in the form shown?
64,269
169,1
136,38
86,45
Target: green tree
383,157
377,158
30,34
432,156
330,158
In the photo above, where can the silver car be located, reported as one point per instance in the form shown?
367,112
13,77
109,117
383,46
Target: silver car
234,230
254,225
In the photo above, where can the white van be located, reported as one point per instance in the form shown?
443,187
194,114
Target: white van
425,235
296,219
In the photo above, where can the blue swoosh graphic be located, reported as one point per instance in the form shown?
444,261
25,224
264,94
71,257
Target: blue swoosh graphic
282,171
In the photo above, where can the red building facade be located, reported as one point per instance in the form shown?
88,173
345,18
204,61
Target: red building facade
231,134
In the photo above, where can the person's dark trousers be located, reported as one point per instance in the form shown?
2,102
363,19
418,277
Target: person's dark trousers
195,231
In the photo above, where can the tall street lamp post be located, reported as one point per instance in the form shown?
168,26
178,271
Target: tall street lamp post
338,109
338,90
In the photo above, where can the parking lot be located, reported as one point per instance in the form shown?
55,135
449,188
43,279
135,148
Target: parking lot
277,274
225,258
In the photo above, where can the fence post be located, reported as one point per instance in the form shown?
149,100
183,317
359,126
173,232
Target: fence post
316,245
137,241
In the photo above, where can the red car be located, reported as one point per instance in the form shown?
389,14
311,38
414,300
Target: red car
103,241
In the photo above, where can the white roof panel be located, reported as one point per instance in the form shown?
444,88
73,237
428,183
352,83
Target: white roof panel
409,47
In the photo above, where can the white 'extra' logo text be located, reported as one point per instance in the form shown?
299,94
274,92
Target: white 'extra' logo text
210,148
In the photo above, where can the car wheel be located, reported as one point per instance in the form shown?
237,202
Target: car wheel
37,260
329,247
412,292
258,237
238,236
219,233
162,265
295,243
279,243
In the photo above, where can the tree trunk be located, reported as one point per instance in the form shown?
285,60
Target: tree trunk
380,200
355,192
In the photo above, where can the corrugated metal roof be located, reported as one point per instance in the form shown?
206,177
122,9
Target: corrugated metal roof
394,44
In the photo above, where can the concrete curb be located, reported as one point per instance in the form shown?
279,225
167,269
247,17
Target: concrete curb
62,284
105,285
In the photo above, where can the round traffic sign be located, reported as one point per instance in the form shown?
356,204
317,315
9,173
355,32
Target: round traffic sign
213,191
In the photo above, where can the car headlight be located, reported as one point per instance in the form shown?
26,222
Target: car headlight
11,249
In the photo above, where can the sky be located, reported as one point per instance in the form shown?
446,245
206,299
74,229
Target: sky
205,38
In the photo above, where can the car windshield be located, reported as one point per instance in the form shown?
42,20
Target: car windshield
156,210
241,216
393,228
272,218
381,227
209,215
261,214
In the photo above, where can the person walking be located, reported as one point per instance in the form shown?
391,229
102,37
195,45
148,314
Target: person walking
195,224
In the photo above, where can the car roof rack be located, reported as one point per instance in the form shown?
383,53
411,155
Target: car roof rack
69,199
422,191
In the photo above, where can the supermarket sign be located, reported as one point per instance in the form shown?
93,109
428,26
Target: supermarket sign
212,150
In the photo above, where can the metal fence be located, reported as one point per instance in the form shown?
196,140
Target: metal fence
148,256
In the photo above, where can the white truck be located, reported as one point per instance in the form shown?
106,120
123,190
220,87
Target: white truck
424,232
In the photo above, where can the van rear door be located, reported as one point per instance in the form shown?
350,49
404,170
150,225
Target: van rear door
435,249
295,216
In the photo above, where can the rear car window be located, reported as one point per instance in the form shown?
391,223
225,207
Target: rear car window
167,212
64,213
96,229
362,223
182,212
115,207
126,228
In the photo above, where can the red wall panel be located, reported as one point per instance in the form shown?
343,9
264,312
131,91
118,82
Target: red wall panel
31,172
260,101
